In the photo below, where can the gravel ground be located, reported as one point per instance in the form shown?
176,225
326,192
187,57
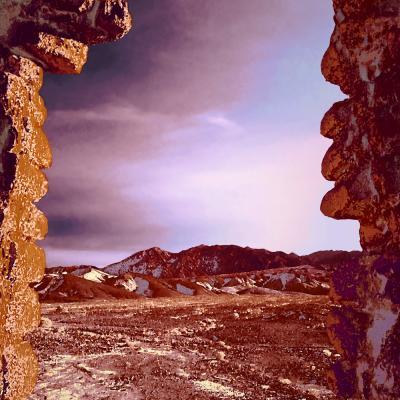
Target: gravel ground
207,347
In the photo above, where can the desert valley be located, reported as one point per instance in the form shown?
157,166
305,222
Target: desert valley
210,322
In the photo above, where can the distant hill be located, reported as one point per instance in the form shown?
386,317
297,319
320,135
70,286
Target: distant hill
97,285
67,287
201,270
331,257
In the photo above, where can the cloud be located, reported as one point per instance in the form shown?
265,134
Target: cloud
183,56
264,195
219,120
82,257
163,139
90,216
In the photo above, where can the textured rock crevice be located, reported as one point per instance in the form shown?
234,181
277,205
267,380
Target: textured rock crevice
34,35
25,151
364,162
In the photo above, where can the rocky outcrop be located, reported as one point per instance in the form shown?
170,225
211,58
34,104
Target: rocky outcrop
34,35
364,162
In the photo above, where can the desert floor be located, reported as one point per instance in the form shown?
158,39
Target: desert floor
212,347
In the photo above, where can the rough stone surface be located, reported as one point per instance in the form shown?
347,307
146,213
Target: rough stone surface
364,162
34,35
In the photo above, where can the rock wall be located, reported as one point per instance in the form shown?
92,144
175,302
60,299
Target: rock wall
35,35
364,161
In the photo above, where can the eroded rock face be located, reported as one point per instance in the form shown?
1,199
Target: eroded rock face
364,162
34,35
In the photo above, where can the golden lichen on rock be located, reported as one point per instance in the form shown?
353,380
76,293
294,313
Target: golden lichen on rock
35,35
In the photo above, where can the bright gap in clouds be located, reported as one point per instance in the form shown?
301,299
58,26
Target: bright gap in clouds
222,184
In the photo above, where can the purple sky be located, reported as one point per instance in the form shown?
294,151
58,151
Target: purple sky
201,126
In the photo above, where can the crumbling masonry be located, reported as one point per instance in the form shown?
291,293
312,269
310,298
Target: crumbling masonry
364,161
35,35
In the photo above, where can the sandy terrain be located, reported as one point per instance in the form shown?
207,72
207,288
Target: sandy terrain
206,347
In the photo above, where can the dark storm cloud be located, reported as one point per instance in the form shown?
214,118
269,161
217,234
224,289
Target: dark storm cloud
178,48
63,226
97,218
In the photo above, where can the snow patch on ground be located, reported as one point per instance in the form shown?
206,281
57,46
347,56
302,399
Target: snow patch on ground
229,290
205,285
314,390
157,352
184,290
226,281
286,278
61,394
128,284
69,377
123,266
218,389
95,275
143,285
54,284
157,272
215,264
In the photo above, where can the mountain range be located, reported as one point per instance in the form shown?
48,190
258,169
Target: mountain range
216,260
219,269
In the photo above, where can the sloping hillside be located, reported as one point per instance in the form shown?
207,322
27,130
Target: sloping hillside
65,287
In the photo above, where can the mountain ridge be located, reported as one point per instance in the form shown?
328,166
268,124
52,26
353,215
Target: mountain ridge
211,260
220,259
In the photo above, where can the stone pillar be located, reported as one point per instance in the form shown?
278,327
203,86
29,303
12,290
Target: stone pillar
364,161
35,35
